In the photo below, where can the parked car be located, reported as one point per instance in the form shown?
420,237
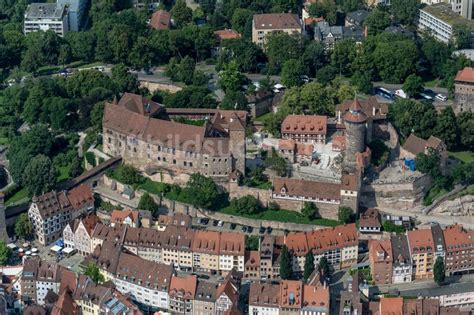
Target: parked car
269,230
204,221
215,222
244,229
441,97
220,223
400,93
425,96
233,226
261,230
249,229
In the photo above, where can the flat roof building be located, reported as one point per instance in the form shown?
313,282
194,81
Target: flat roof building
45,17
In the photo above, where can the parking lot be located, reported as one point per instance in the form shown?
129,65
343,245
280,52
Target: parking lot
214,225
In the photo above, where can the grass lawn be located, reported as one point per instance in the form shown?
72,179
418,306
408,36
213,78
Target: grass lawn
264,117
432,83
3,140
282,216
63,173
465,156
433,194
153,187
19,195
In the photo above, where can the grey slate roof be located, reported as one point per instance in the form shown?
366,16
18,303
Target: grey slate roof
357,17
400,250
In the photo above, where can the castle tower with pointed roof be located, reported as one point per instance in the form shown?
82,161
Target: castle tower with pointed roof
355,121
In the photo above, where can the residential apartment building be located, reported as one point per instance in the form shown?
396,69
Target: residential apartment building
205,298
177,247
52,211
422,252
104,233
147,282
440,21
289,297
459,257
78,234
182,293
169,149
402,264
329,35
304,128
338,244
38,278
464,91
369,221
265,24
231,252
46,17
381,261
206,250
463,8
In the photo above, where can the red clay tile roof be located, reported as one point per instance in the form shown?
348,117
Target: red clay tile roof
160,20
420,241
118,216
355,113
226,34
65,305
52,203
286,144
349,182
90,222
312,20
310,189
80,196
304,124
339,142
183,286
232,244
455,235
276,21
370,106
138,104
322,240
370,218
264,294
252,258
416,145
291,288
316,296
304,149
380,250
465,75
206,242
391,306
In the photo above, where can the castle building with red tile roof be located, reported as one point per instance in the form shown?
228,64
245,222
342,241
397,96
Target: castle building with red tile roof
464,91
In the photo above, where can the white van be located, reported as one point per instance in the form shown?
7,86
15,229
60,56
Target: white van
400,93
441,97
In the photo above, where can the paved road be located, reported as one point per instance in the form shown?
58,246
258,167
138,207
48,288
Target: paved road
425,284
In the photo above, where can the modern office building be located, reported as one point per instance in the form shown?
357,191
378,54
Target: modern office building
77,13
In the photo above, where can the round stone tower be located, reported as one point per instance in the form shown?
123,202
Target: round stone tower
354,120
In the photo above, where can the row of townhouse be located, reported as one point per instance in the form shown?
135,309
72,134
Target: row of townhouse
403,258
338,244
70,293
289,297
156,285
183,247
51,212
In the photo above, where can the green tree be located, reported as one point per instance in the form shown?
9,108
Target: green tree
352,5
326,9
405,10
408,115
308,265
39,175
75,168
82,45
389,226
343,55
285,263
202,191
310,210
251,242
127,174
240,18
23,226
124,79
435,54
181,13
292,72
148,203
462,36
323,267
447,128
230,78
314,57
428,163
277,163
438,271
395,59
5,253
317,99
243,51
93,272
141,54
281,47
246,205
466,130
413,84
377,21
345,215
234,100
